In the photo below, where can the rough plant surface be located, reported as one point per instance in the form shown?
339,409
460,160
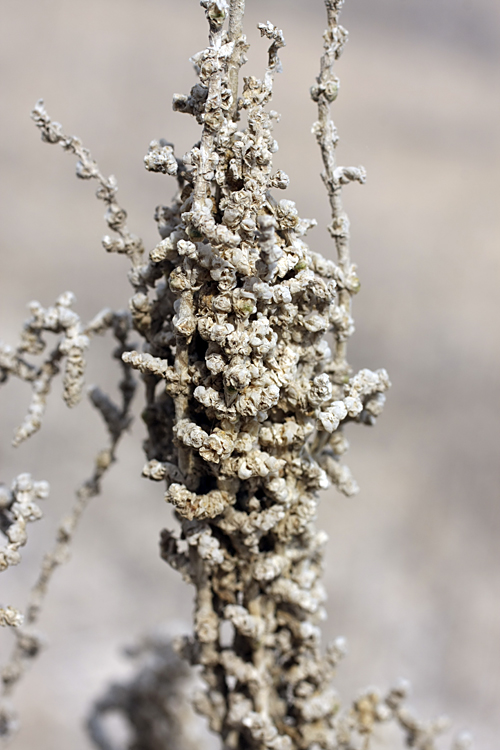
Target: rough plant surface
248,389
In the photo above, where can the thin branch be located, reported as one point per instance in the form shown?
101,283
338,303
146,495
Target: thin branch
28,642
87,169
324,93
236,13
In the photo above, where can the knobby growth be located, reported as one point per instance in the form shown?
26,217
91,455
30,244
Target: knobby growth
246,402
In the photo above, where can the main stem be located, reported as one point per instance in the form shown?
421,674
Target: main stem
236,13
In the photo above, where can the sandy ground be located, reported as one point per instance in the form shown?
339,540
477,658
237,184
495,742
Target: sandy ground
413,562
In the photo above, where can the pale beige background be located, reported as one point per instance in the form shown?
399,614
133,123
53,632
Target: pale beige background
413,562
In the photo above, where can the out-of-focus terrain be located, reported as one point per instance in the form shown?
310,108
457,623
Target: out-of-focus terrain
413,564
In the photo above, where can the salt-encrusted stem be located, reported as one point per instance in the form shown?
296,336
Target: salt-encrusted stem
86,169
261,657
66,530
324,93
247,305
117,420
181,400
28,642
18,508
212,120
41,388
236,13
59,319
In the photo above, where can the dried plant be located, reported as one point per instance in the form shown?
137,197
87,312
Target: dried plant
248,389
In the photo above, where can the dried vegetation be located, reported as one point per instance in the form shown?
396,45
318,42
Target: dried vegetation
243,335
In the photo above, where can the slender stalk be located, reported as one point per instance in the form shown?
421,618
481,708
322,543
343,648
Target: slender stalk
236,13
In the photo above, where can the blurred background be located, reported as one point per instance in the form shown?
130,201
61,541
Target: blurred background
413,563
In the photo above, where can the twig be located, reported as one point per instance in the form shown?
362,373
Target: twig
28,642
236,13
87,169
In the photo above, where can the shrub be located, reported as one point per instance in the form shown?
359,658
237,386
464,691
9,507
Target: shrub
243,333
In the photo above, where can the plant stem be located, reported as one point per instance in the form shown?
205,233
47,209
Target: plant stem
236,13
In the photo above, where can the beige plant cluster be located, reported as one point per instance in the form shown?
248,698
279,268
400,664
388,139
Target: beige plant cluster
17,504
248,389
